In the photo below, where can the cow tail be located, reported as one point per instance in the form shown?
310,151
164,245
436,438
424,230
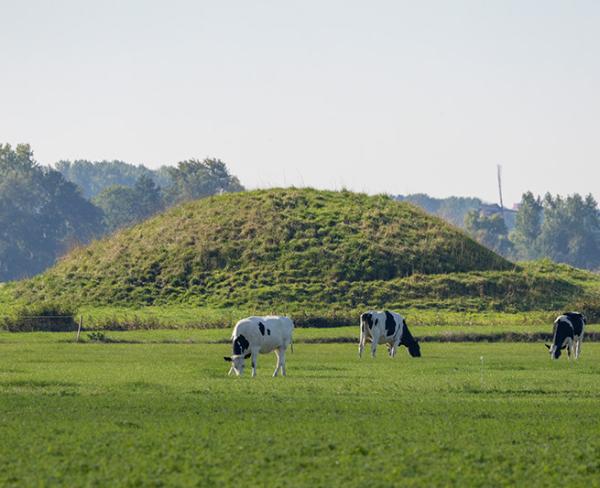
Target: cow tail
292,345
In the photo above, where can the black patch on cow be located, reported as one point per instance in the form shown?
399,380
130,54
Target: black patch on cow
577,320
390,324
240,344
268,331
261,327
368,318
563,330
410,342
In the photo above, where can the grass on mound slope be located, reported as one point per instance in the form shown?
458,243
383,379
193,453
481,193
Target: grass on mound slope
320,256
233,248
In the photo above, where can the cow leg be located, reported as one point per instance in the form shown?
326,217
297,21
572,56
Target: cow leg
361,342
254,362
282,360
373,348
278,365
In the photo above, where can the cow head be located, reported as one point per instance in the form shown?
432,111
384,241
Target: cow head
414,349
237,363
555,352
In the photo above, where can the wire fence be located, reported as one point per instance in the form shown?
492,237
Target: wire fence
42,323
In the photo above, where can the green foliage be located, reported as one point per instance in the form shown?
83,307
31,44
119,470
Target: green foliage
48,317
129,194
193,179
98,337
570,230
272,248
489,230
124,206
566,230
41,215
319,256
167,415
94,177
451,209
528,227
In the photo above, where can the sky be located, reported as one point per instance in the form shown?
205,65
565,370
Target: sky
376,96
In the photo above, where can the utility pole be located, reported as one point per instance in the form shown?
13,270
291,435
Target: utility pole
499,167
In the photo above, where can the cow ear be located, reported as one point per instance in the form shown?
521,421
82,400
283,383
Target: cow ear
547,346
227,358
564,347
247,355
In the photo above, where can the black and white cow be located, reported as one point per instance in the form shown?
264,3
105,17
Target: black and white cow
260,335
567,333
384,327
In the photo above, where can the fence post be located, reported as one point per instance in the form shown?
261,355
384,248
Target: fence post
79,328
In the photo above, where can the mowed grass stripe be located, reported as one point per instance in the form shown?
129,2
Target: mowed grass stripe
166,414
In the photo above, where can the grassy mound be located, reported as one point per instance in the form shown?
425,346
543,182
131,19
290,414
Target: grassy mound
299,250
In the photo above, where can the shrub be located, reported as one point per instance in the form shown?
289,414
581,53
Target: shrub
48,317
589,305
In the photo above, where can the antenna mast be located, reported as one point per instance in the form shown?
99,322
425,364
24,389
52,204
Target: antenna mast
499,167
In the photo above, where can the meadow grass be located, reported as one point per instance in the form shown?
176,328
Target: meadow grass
301,335
155,414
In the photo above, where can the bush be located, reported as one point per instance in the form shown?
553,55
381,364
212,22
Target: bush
589,305
98,337
47,317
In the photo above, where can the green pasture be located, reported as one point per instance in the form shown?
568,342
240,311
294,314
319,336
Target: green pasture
154,413
301,334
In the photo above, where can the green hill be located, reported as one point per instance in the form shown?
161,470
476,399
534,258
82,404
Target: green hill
299,250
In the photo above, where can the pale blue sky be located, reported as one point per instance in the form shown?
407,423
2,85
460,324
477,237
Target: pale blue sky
376,96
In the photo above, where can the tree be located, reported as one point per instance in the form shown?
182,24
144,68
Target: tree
148,195
41,214
528,227
123,206
451,209
194,179
491,231
566,230
93,177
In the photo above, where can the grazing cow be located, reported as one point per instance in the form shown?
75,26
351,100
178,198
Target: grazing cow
254,335
567,333
386,328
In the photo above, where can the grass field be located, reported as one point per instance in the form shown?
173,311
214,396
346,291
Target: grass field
161,414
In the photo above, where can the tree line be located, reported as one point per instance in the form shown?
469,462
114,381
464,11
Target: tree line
564,229
46,211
